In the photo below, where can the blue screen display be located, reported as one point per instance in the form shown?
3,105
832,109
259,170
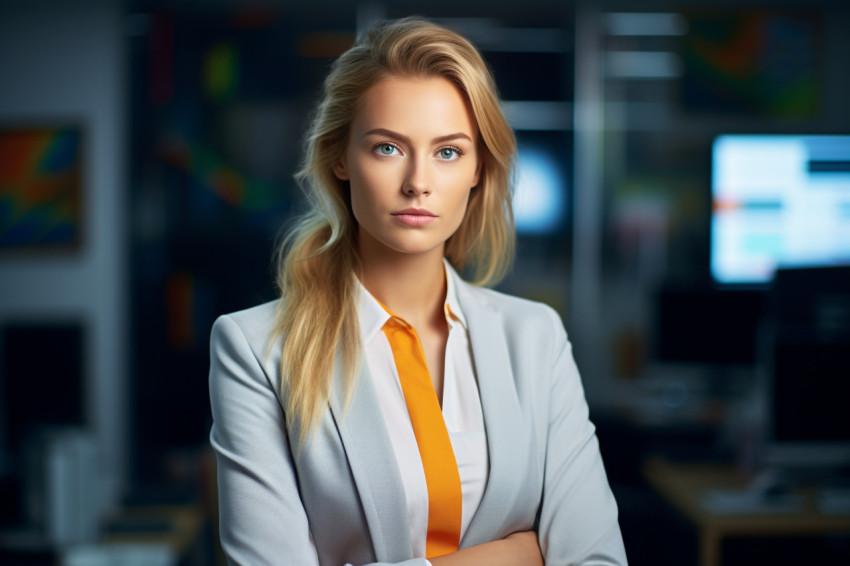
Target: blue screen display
778,201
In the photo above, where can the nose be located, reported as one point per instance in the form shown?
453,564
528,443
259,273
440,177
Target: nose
417,182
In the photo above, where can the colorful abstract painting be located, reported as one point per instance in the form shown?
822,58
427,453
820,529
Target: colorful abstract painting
40,188
751,62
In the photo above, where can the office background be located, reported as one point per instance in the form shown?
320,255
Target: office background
173,129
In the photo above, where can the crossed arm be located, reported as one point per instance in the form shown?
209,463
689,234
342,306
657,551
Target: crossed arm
516,549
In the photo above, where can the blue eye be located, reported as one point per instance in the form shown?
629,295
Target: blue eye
386,149
449,153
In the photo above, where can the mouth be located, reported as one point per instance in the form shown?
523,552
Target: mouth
414,216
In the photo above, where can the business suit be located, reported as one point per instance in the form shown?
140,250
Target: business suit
343,488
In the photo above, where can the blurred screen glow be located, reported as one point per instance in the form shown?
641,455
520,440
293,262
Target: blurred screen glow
539,199
643,23
778,200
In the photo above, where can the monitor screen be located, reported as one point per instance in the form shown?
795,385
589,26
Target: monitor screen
778,201
807,401
806,356
708,326
810,390
42,380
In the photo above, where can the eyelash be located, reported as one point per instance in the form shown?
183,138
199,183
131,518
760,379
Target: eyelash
377,147
458,152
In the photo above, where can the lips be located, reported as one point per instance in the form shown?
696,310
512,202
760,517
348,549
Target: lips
414,216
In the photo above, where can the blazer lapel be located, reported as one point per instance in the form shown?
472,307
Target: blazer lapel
500,406
372,460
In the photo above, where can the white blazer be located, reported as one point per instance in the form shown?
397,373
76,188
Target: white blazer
343,490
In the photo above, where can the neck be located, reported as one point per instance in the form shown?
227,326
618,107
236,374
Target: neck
413,286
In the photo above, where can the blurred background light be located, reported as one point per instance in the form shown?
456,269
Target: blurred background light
642,64
538,114
634,24
539,198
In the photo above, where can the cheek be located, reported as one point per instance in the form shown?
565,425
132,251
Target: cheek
372,179
463,188
365,187
361,203
460,205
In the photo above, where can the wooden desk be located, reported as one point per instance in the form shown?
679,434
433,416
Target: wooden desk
683,485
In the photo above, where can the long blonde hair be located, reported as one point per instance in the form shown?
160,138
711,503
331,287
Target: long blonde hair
317,316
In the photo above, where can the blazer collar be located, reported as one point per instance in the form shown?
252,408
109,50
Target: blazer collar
370,456
499,403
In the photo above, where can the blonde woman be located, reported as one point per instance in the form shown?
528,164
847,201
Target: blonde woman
385,411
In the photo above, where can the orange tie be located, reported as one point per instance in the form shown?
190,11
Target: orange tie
442,478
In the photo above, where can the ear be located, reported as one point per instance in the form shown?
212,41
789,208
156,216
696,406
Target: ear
340,169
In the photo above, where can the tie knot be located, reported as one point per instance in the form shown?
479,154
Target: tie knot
396,323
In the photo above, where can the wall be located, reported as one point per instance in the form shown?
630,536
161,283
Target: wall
64,62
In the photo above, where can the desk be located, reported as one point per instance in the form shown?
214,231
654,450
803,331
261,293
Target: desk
684,484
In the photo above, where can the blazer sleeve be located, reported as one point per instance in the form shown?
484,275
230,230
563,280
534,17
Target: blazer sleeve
261,518
578,514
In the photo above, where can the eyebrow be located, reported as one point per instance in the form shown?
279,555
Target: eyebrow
406,139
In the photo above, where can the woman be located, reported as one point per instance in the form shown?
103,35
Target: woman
384,411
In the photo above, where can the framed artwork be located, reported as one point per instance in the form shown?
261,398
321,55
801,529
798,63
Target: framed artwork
754,62
40,188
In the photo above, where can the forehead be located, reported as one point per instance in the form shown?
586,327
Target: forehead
412,106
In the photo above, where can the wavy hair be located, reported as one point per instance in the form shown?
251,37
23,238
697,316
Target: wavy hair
317,315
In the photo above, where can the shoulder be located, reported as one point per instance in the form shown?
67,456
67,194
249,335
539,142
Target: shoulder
515,311
260,316
530,331
511,308
254,325
243,349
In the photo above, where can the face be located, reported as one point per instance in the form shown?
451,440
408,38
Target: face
411,162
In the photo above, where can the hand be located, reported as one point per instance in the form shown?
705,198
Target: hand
517,549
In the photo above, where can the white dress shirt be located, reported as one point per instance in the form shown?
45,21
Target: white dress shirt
461,407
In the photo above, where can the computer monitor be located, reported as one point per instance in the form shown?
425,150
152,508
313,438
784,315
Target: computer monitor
778,200
41,382
806,365
700,324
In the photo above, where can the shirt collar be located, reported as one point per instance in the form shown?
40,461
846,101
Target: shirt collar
453,309
373,316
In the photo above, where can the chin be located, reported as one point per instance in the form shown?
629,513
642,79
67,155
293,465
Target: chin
406,241
414,249
409,246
